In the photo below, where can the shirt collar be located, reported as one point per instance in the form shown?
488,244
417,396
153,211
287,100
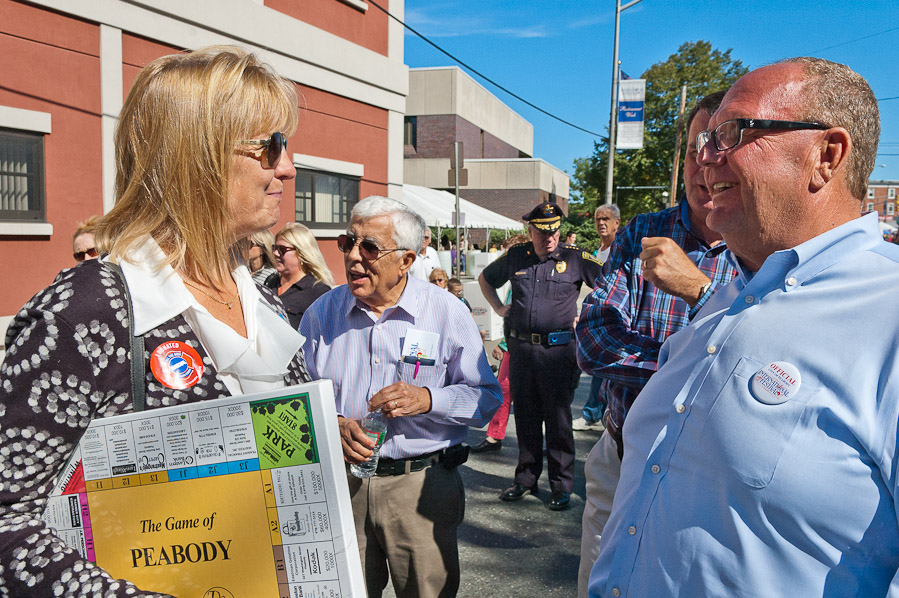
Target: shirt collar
410,301
157,293
807,259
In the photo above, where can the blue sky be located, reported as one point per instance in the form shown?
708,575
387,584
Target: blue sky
558,54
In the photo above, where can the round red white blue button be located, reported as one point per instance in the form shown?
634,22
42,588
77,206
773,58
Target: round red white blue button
176,365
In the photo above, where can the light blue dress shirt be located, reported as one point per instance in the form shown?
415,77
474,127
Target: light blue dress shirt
361,354
727,492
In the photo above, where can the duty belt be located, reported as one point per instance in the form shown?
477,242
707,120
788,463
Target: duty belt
535,338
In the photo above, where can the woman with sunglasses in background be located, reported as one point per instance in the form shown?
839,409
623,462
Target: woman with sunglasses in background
303,276
200,165
260,259
439,277
84,247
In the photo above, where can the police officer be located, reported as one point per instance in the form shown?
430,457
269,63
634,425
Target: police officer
546,278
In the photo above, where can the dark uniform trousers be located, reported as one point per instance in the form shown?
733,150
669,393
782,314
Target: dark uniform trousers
542,380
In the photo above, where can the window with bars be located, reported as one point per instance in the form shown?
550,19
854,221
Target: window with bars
324,200
21,175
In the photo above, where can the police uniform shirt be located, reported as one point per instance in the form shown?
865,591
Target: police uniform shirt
544,294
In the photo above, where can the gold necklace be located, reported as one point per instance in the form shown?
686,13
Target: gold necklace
230,304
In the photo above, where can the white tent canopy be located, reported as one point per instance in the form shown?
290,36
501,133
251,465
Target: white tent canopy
437,208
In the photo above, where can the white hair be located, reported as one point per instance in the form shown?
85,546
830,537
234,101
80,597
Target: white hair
609,207
408,226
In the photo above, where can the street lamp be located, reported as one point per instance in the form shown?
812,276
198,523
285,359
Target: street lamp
613,121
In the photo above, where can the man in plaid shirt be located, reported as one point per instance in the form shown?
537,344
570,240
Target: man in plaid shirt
661,270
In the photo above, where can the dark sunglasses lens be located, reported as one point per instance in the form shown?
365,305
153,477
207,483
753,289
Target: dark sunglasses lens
344,243
369,250
276,145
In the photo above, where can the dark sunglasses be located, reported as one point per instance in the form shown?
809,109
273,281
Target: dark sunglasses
729,134
274,145
80,256
280,250
367,249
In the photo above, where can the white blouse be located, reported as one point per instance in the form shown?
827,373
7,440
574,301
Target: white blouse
245,365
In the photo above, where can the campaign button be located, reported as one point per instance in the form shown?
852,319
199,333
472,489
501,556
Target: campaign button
776,383
176,365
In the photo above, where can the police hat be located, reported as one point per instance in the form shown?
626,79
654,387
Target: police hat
546,217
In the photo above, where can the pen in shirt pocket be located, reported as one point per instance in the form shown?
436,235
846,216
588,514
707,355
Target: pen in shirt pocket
418,361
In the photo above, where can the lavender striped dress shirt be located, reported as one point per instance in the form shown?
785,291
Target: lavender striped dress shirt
361,354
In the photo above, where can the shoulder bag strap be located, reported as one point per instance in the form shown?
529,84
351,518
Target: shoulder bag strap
138,351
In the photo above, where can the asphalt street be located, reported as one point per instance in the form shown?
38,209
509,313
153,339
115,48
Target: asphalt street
519,548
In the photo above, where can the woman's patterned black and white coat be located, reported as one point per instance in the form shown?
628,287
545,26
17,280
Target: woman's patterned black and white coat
68,362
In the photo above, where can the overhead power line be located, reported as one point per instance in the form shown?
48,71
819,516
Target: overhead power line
483,76
852,41
538,108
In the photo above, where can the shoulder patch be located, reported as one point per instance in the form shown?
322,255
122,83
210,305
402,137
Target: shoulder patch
586,255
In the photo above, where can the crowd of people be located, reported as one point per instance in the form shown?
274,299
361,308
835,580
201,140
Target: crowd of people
741,386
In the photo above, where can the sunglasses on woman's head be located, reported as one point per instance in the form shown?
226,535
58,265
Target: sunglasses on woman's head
367,249
274,145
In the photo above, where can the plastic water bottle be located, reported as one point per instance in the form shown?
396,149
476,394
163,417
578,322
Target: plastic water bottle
375,426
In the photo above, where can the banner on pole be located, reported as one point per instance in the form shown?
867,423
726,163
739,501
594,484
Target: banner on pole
631,95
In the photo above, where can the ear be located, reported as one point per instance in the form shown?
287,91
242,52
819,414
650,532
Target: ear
406,259
832,155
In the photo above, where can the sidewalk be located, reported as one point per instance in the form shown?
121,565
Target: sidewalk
520,548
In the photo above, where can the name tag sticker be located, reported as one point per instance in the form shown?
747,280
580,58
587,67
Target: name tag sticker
776,383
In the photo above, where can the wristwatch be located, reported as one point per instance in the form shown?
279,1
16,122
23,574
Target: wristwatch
703,290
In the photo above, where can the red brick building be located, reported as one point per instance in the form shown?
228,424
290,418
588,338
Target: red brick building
65,69
882,196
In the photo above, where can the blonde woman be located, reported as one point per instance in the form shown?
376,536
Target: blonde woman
439,277
201,164
84,247
303,275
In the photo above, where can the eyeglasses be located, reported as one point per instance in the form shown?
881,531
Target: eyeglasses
730,133
80,256
274,146
438,280
280,250
367,249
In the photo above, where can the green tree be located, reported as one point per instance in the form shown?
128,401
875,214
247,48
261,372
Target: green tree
703,70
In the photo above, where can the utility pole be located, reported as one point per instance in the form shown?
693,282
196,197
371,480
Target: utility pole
613,121
680,133
458,176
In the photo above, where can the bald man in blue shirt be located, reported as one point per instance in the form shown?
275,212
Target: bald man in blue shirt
761,459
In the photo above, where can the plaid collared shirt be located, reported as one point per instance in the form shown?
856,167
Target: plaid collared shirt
625,320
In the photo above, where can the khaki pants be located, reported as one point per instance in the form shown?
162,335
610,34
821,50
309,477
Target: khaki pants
406,529
602,471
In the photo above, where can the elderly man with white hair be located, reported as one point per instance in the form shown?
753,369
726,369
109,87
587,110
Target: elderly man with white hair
393,343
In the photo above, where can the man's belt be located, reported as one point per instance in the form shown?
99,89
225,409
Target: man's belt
449,457
550,339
